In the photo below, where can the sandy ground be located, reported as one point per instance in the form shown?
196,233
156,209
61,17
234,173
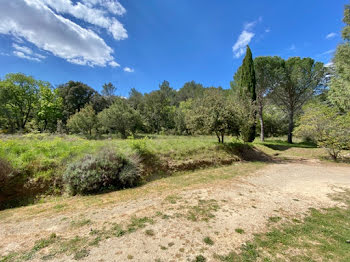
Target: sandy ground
285,190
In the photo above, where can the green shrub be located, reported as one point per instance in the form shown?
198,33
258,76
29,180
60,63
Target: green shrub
105,171
141,146
327,127
130,175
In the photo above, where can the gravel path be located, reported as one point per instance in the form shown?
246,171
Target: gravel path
182,219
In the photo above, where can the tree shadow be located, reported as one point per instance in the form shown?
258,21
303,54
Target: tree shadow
246,152
281,145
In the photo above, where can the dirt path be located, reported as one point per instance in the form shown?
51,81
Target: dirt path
177,222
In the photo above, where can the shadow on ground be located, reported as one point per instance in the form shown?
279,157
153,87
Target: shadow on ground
280,145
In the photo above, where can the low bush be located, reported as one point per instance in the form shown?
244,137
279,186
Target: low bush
131,174
141,146
105,171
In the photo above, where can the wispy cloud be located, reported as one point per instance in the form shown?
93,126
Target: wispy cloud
74,37
24,56
331,35
129,70
328,52
292,47
27,53
245,38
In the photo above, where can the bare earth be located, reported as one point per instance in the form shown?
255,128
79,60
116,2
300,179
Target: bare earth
286,190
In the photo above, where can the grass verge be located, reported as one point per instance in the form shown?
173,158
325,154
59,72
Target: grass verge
322,236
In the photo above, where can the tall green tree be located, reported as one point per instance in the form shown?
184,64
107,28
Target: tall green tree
212,113
83,121
266,69
182,114
339,93
19,97
159,110
75,96
244,86
108,89
136,100
49,108
190,90
299,80
120,118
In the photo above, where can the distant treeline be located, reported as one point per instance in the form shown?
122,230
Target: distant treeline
269,89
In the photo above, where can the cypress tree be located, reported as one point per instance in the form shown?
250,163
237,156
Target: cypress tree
247,86
248,81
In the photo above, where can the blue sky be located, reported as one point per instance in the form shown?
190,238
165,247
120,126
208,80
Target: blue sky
140,43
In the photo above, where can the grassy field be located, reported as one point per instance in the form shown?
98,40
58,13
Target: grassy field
322,233
41,159
42,154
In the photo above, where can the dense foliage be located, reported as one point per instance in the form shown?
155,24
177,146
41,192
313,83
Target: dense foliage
325,126
339,93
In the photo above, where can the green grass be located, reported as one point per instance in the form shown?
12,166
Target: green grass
80,223
239,230
49,151
208,241
274,219
200,258
43,158
322,234
139,222
203,211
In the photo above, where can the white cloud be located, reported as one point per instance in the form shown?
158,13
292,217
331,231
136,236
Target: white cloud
95,13
267,30
128,69
331,35
23,49
29,52
35,22
113,64
24,56
245,38
111,5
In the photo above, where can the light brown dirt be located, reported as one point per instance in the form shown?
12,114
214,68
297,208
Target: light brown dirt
286,190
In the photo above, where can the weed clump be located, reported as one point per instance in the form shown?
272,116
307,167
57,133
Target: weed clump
208,241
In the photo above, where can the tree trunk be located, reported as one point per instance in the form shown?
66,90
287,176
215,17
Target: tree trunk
290,128
222,137
262,135
217,135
